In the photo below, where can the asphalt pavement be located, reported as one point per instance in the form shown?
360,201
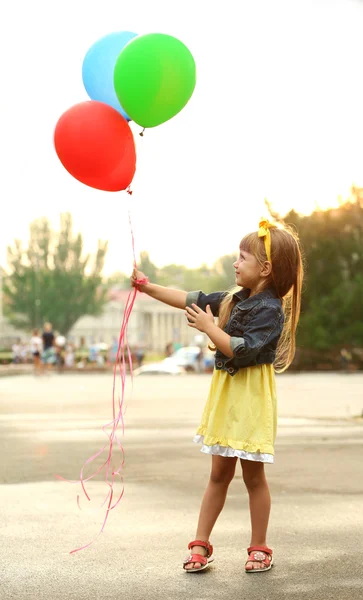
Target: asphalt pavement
52,424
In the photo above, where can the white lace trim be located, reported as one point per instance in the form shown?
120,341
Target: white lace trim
229,452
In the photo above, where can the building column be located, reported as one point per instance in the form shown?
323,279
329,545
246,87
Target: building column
164,329
155,333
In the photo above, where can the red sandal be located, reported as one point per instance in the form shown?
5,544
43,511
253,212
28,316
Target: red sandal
203,560
260,554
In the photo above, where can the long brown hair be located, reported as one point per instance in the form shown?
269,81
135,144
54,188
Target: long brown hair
286,279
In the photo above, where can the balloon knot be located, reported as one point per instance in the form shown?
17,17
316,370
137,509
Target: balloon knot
139,282
129,191
142,132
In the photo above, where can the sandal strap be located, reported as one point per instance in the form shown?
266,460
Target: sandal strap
259,554
196,558
264,549
204,544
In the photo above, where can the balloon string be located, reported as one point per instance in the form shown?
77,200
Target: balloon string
117,414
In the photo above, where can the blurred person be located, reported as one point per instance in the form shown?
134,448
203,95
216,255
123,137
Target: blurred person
82,343
255,334
82,354
200,360
59,345
69,356
93,353
100,360
169,349
140,355
345,359
48,354
24,352
16,352
36,346
60,340
113,351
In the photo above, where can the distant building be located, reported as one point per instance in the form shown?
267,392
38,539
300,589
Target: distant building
152,324
9,334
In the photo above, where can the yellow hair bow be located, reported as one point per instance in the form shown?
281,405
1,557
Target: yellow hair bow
264,232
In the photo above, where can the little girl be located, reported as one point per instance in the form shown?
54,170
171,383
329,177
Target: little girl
255,335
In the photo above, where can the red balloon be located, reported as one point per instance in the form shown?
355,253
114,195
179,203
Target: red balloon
95,144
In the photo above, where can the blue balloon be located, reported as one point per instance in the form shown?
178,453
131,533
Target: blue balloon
98,67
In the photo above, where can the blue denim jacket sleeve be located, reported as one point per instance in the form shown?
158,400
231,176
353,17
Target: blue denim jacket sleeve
202,300
263,328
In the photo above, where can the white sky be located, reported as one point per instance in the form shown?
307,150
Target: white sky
277,113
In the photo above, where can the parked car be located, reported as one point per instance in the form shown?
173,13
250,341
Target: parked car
160,368
182,360
186,357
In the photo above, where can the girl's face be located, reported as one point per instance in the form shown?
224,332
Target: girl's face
248,270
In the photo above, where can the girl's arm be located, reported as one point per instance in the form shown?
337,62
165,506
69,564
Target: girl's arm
220,339
176,298
204,321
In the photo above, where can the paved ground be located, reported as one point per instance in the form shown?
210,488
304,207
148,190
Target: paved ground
53,424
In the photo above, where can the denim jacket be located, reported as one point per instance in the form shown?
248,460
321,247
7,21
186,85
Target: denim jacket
255,326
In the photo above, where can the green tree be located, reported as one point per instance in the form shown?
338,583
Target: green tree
172,276
332,241
218,277
146,266
51,280
223,275
197,279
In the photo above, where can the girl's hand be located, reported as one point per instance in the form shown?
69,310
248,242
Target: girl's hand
137,276
198,319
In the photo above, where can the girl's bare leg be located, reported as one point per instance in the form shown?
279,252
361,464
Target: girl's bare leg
213,501
260,503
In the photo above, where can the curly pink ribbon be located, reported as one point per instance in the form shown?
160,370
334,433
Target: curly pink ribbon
117,418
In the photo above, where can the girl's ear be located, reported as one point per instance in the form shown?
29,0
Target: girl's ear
266,269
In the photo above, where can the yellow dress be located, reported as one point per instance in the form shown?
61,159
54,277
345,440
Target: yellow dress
240,416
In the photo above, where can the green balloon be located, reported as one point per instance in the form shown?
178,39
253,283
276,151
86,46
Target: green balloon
154,78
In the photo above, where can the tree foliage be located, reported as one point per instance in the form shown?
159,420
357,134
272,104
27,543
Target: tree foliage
332,242
218,277
51,280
